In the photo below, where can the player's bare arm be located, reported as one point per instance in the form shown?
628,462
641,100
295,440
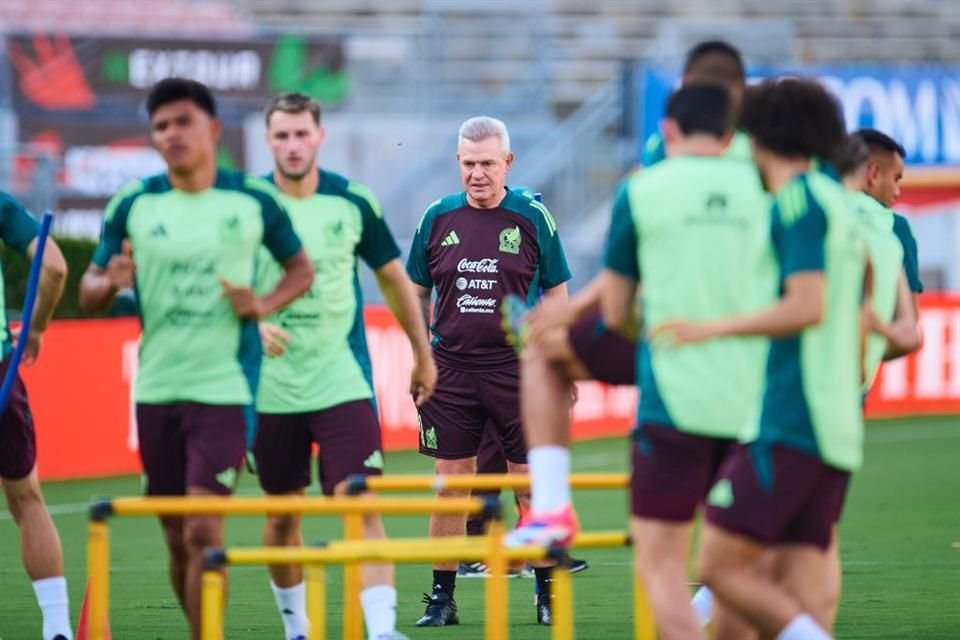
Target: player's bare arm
99,285
800,307
298,274
617,295
904,335
423,294
53,277
401,296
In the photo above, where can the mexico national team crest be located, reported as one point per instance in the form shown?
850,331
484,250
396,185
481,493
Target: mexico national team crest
510,240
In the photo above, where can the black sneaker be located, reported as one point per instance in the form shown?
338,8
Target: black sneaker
576,566
544,616
473,570
441,610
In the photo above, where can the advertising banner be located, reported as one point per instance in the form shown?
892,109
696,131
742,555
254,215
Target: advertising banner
919,107
81,389
60,73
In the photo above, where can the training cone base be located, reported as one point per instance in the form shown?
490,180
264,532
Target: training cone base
82,624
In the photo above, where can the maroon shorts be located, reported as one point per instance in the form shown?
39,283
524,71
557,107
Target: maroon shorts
609,356
453,420
673,471
776,495
348,436
188,444
18,442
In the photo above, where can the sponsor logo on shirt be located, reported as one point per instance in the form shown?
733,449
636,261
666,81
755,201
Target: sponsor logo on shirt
486,265
472,304
510,240
476,283
451,239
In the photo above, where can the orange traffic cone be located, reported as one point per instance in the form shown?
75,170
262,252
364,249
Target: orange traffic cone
83,632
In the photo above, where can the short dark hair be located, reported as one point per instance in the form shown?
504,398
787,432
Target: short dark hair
700,108
173,89
794,117
877,141
715,60
292,103
854,153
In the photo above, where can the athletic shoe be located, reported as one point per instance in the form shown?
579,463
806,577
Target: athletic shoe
481,570
544,616
576,566
546,529
441,610
513,319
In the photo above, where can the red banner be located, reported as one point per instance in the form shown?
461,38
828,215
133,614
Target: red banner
80,389
928,381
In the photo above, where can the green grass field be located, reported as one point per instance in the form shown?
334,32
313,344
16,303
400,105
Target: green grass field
901,568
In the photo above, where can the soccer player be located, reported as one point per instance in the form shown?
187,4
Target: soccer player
475,247
568,341
39,543
188,239
693,232
318,386
885,166
785,489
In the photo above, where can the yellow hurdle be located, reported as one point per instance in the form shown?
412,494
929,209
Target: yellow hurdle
98,545
316,578
485,481
562,609
423,551
211,605
497,601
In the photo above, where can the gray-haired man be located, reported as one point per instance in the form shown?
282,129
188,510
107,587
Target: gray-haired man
475,247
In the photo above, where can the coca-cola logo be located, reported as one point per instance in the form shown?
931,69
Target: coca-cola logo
486,265
472,304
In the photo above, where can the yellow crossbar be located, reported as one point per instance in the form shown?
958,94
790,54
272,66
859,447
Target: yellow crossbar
485,481
197,505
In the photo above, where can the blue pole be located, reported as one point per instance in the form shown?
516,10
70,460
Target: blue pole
33,283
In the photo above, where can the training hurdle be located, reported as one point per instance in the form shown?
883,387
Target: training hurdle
357,484
98,540
496,620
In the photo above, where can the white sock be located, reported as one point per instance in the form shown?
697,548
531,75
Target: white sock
550,478
803,627
379,611
702,604
55,605
292,603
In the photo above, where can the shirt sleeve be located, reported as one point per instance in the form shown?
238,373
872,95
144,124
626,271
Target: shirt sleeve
621,254
17,227
377,246
114,230
654,150
278,235
799,238
418,262
911,266
554,269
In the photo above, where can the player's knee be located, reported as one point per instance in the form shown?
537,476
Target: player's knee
282,526
453,493
712,569
373,527
200,533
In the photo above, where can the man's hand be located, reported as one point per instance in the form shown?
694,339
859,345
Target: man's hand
245,302
121,268
551,313
423,378
32,349
274,339
678,332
